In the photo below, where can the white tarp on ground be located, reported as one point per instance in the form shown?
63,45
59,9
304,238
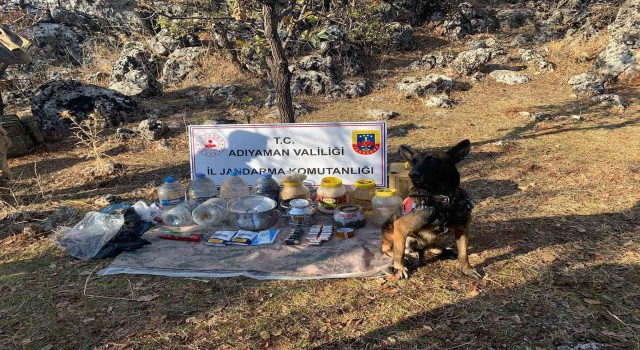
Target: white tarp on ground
356,257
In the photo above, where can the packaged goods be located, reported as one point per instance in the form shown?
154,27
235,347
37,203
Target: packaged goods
220,238
265,237
350,216
243,237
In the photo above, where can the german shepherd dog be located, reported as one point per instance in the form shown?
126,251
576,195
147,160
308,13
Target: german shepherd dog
441,207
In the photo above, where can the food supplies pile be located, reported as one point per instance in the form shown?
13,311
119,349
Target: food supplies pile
201,213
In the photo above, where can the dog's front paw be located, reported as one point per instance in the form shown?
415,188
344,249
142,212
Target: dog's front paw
471,272
401,271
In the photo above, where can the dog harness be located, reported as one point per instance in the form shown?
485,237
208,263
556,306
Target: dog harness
445,210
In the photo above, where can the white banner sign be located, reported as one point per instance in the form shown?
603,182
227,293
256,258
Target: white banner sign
348,151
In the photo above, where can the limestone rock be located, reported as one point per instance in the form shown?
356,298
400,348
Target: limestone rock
153,129
611,100
182,64
400,35
514,18
587,83
135,71
420,87
438,59
163,43
79,100
439,101
621,57
537,59
378,114
470,61
56,42
466,20
509,77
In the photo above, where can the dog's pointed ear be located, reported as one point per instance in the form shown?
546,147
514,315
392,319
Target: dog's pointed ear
459,151
407,152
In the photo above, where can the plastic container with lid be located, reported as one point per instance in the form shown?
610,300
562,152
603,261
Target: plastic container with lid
385,203
266,186
233,187
363,193
201,188
170,193
293,187
331,194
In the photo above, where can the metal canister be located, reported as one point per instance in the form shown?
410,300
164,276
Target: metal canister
350,216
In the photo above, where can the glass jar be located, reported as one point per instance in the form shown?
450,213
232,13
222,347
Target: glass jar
363,194
385,204
330,195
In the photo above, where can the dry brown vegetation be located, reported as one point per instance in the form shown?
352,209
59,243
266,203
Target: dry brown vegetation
556,233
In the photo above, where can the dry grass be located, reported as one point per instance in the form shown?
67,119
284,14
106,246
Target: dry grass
555,231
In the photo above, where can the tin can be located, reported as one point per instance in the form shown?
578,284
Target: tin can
350,216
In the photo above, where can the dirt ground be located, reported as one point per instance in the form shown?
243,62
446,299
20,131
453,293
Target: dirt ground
555,232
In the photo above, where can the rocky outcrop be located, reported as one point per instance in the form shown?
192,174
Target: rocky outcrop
438,59
537,60
182,64
400,35
467,20
120,14
78,100
509,77
431,84
514,18
470,61
135,72
55,42
163,43
611,100
587,83
621,57
153,129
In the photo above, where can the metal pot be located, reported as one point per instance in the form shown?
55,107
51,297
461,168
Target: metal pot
252,212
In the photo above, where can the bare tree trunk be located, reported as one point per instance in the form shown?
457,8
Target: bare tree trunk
280,74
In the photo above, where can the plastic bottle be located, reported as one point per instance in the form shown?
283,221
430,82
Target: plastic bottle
266,186
171,193
210,213
233,187
180,215
201,188
385,203
331,194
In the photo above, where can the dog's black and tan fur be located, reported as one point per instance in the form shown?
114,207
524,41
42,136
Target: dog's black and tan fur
446,209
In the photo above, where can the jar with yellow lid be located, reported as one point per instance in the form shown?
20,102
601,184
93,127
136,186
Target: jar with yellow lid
292,187
331,194
385,203
363,193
